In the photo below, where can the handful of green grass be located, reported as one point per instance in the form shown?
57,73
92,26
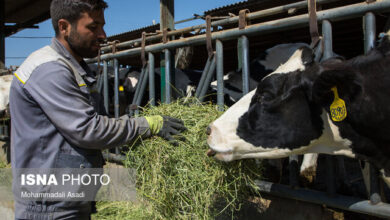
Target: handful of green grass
181,182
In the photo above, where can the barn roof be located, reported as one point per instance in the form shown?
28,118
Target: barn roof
21,14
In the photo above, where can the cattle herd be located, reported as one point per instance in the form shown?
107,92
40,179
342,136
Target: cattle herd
296,106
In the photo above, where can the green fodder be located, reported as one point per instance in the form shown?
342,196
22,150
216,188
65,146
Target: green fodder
3,164
123,211
181,182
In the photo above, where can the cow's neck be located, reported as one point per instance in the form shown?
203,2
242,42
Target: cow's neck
330,141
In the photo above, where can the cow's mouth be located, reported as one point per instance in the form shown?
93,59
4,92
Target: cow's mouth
222,156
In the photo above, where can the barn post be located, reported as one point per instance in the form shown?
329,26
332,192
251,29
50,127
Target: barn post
220,86
116,93
167,15
152,88
105,86
369,29
245,64
2,34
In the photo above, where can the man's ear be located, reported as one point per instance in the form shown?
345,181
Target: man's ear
346,80
64,27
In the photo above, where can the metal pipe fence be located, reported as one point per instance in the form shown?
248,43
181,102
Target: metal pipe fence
232,20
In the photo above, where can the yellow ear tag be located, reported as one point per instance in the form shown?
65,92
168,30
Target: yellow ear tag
338,111
121,89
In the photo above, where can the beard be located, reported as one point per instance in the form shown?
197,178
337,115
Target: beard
81,46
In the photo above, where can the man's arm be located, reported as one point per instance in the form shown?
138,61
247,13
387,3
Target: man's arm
56,91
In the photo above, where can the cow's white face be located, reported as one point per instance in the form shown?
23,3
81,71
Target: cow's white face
275,120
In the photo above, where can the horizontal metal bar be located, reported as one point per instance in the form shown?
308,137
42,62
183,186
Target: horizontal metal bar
337,201
232,20
334,14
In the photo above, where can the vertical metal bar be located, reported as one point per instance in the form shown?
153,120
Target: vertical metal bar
137,89
116,90
2,34
134,106
203,77
152,87
293,168
142,87
245,64
162,77
220,84
116,93
105,86
168,80
327,53
207,81
330,180
239,53
369,30
328,39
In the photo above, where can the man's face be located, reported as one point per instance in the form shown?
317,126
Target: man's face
87,34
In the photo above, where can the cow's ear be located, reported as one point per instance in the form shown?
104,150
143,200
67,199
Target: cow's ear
346,81
307,55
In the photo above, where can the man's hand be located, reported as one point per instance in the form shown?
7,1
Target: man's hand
165,126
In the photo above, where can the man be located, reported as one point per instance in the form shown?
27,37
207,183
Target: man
55,119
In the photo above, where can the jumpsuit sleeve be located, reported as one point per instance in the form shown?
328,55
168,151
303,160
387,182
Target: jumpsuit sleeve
54,88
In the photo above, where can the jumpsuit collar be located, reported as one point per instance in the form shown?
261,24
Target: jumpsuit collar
85,72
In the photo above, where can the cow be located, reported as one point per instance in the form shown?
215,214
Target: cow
265,63
5,84
289,113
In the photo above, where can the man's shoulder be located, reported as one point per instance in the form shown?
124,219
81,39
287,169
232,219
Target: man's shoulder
45,58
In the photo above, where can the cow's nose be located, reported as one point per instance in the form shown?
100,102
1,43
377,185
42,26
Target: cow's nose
208,130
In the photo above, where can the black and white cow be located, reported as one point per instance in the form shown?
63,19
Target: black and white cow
289,112
264,64
5,84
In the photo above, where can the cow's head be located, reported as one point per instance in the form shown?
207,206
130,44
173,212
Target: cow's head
274,120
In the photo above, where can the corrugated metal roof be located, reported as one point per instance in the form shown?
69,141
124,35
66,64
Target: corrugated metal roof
135,33
25,13
253,5
224,7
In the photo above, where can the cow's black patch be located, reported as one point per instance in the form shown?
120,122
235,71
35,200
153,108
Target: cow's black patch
364,84
281,114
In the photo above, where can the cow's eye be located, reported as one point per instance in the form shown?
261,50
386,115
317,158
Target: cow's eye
266,96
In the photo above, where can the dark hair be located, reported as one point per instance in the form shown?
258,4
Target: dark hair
71,10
